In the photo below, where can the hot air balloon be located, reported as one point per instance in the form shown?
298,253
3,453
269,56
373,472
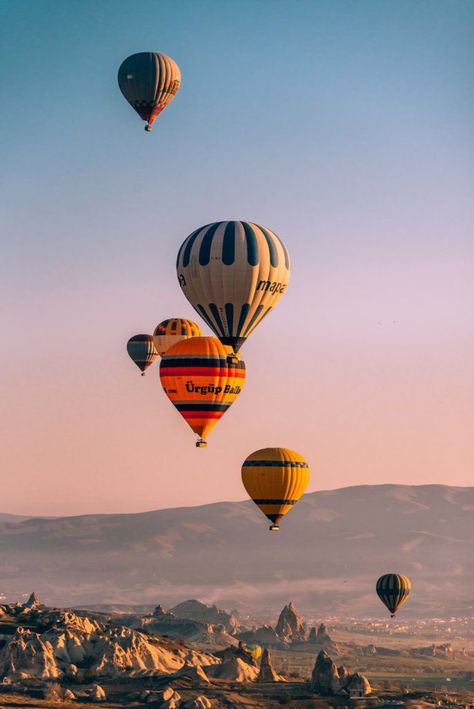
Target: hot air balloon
275,479
393,590
142,350
149,81
171,331
254,650
233,274
200,382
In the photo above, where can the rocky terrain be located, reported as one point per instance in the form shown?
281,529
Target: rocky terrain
62,654
327,679
195,610
202,552
290,633
40,643
76,656
200,633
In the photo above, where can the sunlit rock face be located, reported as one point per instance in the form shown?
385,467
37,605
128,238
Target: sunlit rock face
28,655
235,669
61,644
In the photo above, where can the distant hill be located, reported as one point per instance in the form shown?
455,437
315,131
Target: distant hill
4,517
327,556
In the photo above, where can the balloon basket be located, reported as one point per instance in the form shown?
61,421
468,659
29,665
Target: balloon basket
232,359
148,129
274,528
201,443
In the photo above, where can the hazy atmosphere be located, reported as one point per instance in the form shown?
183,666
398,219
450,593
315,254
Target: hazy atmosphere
344,126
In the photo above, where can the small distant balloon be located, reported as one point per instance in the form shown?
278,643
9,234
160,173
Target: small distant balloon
275,479
254,649
393,590
142,351
149,81
171,331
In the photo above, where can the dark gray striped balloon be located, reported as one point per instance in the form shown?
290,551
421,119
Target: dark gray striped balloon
149,81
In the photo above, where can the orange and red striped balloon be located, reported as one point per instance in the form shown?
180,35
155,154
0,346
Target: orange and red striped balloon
201,381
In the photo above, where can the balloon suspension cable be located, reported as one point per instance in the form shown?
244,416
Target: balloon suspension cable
201,443
274,528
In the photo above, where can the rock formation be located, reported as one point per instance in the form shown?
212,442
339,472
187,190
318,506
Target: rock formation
159,612
290,625
322,639
196,674
322,636
358,684
28,655
58,643
444,650
265,635
328,679
167,698
235,669
33,601
325,677
97,693
199,702
236,652
195,610
202,634
267,672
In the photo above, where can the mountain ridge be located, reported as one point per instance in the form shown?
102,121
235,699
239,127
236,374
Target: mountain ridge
327,556
26,517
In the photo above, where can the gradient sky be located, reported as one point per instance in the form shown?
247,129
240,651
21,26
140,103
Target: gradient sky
344,126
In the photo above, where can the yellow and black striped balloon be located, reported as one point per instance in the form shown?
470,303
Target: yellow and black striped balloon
393,590
149,81
254,649
171,331
233,273
142,350
275,479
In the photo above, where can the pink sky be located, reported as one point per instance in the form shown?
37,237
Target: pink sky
379,391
